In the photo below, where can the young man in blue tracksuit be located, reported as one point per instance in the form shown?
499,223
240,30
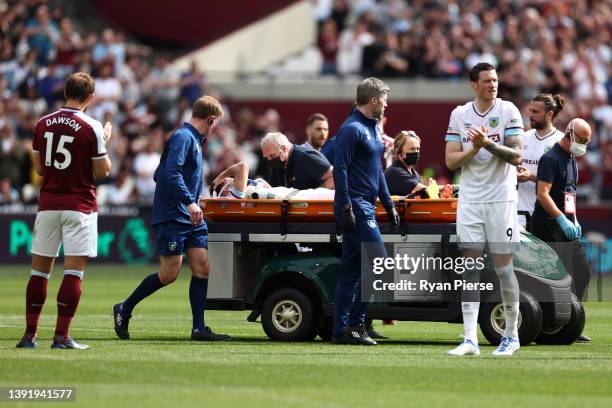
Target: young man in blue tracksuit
177,221
359,180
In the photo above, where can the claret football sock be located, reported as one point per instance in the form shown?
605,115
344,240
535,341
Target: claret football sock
198,289
68,298
147,287
36,294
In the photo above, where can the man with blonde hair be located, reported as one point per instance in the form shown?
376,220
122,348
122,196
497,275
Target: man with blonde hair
177,220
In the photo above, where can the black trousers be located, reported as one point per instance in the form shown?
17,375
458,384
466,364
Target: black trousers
571,253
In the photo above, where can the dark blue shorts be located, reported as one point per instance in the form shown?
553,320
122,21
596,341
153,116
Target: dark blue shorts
174,238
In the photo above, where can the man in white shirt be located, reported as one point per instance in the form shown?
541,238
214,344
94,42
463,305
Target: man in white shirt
542,136
484,140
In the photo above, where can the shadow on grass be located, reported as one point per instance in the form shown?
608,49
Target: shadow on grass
257,341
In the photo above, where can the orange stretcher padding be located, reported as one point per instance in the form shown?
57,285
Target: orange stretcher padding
296,210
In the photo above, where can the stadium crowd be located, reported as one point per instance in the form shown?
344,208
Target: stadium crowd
558,47
543,46
141,94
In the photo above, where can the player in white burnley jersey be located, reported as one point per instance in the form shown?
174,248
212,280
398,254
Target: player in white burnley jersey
484,140
537,141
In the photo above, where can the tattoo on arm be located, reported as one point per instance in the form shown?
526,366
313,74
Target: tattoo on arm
511,152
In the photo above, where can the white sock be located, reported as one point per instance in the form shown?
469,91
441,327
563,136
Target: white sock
510,299
470,320
470,304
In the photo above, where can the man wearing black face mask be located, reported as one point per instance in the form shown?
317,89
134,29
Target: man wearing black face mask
555,218
295,166
402,177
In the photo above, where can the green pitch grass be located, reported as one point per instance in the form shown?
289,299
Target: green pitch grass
161,367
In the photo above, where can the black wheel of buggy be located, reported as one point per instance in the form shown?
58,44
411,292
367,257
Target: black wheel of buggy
289,315
565,333
492,321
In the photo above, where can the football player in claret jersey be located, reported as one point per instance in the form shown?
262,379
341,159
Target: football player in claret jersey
542,136
69,151
484,140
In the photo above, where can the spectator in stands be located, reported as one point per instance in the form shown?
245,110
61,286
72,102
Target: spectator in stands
128,76
108,93
50,86
33,104
120,191
339,13
162,83
328,45
192,83
391,63
8,194
8,63
145,164
12,155
42,34
101,53
351,42
67,47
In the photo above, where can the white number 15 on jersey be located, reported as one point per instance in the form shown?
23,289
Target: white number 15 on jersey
59,150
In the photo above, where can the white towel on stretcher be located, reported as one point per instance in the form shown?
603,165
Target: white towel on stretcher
289,193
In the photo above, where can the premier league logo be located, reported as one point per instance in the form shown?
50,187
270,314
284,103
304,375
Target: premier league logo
493,121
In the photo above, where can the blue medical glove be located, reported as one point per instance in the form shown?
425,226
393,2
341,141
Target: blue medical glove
567,227
578,229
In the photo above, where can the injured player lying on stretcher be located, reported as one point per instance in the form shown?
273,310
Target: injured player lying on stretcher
234,182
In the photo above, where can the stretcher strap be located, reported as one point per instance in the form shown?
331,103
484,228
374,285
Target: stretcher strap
334,238
401,210
445,241
283,216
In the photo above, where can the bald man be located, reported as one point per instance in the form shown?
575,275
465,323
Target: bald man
555,218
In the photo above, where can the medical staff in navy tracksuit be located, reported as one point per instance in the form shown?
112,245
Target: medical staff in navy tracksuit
359,180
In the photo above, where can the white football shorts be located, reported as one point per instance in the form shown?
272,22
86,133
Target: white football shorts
493,223
76,230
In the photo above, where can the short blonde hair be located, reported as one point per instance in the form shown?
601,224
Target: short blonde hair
400,140
206,106
277,138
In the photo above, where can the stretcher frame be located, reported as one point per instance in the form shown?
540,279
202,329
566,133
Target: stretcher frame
300,210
